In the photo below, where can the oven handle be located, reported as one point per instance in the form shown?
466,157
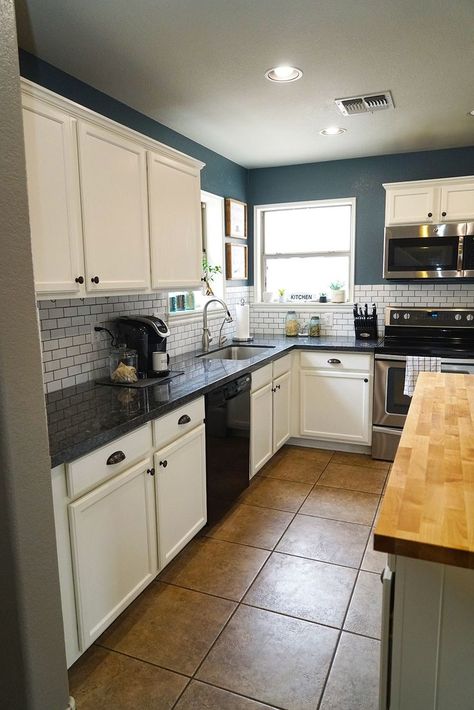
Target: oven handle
396,358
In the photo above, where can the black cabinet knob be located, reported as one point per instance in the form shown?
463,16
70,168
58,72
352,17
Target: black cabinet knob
151,471
430,214
365,379
443,214
79,280
95,279
164,463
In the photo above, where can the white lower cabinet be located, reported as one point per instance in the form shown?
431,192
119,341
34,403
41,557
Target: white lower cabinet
261,428
335,405
113,542
270,407
180,492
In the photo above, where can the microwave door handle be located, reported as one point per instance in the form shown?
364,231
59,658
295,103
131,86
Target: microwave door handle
460,254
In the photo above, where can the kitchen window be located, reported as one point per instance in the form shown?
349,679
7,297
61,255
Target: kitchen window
303,248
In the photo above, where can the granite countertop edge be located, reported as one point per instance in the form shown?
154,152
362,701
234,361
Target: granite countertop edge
62,405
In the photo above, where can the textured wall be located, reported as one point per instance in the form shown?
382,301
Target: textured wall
361,178
33,668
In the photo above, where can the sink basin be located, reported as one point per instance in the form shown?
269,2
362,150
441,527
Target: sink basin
236,352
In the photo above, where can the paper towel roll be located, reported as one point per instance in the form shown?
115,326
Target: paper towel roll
242,322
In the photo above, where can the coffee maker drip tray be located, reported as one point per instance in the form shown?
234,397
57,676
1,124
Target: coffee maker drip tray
145,382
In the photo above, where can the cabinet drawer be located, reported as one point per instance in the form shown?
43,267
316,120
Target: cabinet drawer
361,362
281,366
262,377
92,469
166,429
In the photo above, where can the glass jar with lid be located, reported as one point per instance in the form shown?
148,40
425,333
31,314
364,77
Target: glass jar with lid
292,324
123,364
314,327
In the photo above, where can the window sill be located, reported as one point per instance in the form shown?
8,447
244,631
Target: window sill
309,306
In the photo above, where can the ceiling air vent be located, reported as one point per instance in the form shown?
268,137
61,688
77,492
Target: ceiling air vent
365,104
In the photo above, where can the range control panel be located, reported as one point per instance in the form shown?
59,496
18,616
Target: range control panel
430,317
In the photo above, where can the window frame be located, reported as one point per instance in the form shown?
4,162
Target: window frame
260,256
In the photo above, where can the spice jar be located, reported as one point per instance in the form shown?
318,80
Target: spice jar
314,327
292,324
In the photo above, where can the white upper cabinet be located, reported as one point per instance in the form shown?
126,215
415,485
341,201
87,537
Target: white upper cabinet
416,202
411,205
53,196
457,202
114,209
175,222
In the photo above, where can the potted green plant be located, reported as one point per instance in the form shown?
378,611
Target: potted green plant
338,294
281,295
209,272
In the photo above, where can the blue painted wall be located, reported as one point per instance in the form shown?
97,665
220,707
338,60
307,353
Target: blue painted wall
361,178
220,176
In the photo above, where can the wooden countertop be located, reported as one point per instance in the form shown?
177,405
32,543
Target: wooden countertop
428,509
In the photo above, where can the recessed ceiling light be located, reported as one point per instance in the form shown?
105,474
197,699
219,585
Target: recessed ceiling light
284,74
470,113
333,131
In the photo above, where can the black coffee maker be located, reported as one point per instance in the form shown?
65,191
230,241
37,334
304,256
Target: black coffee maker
148,336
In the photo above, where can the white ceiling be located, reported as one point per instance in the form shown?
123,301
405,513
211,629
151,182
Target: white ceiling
198,67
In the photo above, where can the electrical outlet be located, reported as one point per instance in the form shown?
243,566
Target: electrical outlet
95,335
327,319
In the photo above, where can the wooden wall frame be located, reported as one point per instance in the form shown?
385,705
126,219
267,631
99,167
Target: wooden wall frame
236,262
235,218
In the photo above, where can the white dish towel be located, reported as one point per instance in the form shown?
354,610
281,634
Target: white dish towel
415,365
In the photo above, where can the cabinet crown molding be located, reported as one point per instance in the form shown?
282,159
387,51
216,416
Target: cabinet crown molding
436,182
77,111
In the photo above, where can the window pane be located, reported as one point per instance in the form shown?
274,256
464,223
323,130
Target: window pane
308,229
306,275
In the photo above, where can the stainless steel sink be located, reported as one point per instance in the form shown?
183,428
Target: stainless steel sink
236,352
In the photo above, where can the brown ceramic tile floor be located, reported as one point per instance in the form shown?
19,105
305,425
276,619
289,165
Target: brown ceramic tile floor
276,606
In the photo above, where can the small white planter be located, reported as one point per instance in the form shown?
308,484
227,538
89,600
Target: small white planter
338,296
267,296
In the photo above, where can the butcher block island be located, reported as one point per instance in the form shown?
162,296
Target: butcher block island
428,509
426,524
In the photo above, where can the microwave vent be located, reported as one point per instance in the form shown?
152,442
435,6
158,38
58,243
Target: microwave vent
365,104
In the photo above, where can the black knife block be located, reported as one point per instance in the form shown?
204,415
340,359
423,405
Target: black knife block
366,327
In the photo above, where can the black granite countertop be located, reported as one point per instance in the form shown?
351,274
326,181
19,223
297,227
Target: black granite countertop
82,418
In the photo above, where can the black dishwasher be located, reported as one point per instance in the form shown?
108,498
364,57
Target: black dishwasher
227,445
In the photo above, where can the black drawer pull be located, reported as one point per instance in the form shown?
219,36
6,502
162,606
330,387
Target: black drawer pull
116,457
164,463
151,471
185,419
334,361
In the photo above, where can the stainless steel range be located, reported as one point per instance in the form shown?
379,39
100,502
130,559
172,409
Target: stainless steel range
447,333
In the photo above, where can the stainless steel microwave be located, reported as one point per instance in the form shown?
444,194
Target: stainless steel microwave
429,251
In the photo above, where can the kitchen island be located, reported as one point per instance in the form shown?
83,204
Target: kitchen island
426,524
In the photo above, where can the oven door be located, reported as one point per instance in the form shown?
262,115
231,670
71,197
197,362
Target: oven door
390,404
424,251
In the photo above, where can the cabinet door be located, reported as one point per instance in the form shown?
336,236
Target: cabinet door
457,202
175,223
113,539
411,205
336,405
180,492
281,411
53,197
261,429
114,209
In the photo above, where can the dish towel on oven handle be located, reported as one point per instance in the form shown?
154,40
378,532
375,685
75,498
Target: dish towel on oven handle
416,364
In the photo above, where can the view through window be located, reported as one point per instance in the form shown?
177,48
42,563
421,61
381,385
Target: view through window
304,249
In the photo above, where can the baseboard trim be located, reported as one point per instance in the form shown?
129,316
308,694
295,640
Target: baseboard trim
330,445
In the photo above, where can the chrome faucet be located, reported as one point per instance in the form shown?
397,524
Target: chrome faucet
206,333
